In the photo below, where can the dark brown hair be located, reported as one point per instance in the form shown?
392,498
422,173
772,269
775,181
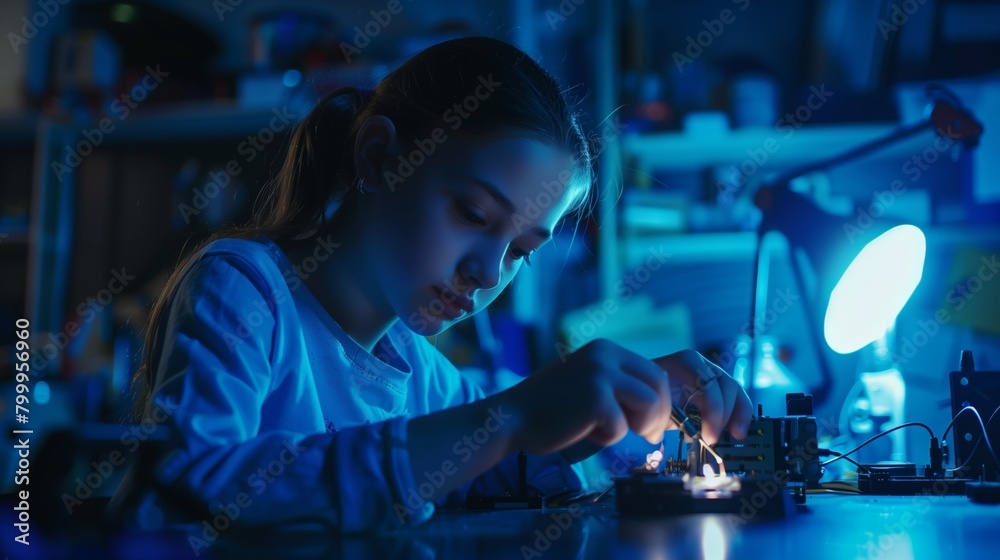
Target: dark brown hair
319,166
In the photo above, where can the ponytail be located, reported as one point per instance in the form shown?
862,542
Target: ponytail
318,170
319,167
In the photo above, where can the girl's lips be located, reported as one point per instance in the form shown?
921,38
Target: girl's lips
454,305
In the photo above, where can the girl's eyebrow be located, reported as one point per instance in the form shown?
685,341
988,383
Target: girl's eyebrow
494,192
502,200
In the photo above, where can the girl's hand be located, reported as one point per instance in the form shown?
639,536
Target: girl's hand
720,400
602,390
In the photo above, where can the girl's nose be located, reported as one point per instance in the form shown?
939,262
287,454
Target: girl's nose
478,274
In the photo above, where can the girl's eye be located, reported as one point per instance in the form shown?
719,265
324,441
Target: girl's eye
519,253
469,215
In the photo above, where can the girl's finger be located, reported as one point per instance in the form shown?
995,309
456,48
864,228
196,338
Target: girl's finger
610,425
654,377
742,408
707,396
641,406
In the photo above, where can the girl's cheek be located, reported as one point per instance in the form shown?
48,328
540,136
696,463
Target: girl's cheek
508,272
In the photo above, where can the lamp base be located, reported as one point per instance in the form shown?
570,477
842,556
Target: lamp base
879,406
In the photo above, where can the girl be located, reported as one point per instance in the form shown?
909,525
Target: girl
287,360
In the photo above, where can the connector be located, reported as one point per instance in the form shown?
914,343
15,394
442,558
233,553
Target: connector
936,468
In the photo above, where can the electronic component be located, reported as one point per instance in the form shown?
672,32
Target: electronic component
983,492
768,471
524,499
784,448
665,494
905,479
980,390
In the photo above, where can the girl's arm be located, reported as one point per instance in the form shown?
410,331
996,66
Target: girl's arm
215,389
451,447
577,406
587,402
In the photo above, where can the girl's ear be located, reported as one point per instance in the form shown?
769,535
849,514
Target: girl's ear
375,144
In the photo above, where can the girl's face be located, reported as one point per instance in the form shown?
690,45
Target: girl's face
452,235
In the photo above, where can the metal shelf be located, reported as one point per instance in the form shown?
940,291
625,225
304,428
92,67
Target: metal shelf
52,219
692,152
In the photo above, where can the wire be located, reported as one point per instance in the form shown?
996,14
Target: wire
848,459
953,420
985,437
834,487
876,436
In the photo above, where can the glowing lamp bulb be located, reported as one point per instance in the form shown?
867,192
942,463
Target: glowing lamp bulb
874,289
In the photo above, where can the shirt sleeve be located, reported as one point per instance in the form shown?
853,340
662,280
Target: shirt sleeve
214,374
548,474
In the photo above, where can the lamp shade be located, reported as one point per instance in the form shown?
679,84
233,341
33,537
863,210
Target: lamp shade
867,268
874,288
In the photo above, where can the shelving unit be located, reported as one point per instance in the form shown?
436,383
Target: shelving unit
709,272
691,152
17,160
63,256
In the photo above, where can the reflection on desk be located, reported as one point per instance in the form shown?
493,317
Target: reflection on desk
828,527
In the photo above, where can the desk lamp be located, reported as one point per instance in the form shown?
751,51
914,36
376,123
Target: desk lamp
864,273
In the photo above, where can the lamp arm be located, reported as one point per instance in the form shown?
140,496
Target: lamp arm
821,391
853,153
949,119
761,284
754,296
